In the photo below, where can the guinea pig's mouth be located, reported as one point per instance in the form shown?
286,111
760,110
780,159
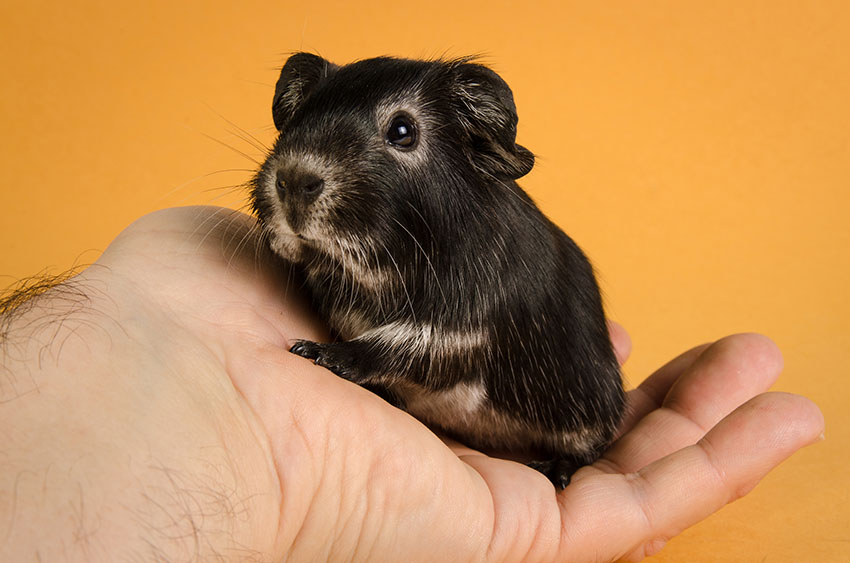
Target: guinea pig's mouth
282,230
311,241
293,237
299,239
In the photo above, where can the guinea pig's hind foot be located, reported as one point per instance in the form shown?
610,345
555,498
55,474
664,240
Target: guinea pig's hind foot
558,470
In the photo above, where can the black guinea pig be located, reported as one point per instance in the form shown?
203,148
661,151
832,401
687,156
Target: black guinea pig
392,186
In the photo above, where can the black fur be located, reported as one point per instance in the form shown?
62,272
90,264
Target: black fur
436,244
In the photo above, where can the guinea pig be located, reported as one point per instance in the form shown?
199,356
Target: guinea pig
392,185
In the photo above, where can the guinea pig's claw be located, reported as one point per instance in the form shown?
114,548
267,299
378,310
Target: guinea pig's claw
332,357
559,471
306,349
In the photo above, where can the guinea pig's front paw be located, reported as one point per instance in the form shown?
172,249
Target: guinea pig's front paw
333,357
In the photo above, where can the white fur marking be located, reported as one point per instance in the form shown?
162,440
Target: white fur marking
464,411
451,408
422,338
352,256
349,324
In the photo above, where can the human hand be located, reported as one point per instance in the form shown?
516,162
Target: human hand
167,419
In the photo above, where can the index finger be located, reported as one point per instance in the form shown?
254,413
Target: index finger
650,394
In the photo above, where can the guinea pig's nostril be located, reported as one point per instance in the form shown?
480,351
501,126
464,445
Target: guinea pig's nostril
314,188
280,184
294,185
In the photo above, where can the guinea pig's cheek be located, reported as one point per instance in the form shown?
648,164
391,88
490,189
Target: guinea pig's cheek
313,220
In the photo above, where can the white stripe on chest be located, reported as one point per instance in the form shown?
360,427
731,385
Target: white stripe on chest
423,338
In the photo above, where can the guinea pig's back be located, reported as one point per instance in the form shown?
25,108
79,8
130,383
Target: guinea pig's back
552,346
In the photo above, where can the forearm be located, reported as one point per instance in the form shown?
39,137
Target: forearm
95,464
49,508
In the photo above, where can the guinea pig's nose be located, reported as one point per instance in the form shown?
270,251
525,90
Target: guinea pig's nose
302,185
312,186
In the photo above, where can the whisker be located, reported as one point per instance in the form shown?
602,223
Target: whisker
219,216
243,133
202,177
401,279
234,149
250,233
427,259
250,140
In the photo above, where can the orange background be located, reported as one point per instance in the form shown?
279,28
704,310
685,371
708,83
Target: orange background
698,151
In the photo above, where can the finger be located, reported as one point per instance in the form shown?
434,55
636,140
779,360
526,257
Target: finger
635,514
621,340
732,370
650,394
722,377
459,449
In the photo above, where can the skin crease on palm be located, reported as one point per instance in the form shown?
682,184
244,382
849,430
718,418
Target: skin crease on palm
151,409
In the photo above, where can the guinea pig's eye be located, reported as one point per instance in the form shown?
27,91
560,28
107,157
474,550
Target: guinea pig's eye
402,132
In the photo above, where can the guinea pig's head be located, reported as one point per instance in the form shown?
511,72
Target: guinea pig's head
367,150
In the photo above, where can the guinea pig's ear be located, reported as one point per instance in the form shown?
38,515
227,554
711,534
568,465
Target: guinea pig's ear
487,113
299,76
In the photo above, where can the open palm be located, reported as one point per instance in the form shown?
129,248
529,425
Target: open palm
335,473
